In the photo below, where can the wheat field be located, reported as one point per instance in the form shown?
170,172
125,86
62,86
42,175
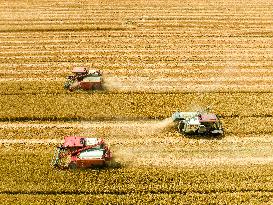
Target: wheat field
157,57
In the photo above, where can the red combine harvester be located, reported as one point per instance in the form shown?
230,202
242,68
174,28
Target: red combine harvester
81,152
84,79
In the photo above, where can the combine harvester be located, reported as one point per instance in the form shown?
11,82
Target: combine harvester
203,123
80,152
84,79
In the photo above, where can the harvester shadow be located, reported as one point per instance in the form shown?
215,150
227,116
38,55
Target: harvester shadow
204,137
111,166
80,91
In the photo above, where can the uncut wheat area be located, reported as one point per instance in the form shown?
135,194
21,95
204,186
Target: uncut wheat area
157,57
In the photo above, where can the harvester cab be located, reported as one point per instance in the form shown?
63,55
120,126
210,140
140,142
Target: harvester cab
81,152
198,123
84,79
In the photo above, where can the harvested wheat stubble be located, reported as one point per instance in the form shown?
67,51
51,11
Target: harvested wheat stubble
155,143
136,183
162,151
146,80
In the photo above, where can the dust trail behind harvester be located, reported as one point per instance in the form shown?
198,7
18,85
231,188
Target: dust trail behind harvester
113,84
170,80
125,129
165,125
155,127
129,139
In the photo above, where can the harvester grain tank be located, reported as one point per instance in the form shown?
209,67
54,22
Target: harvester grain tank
203,122
84,79
81,152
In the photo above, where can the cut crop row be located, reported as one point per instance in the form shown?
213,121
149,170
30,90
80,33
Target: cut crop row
27,172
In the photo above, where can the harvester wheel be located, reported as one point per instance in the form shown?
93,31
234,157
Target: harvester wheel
72,166
181,126
97,86
67,85
113,164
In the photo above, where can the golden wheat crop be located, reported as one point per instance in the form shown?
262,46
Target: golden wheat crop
158,57
37,132
194,198
132,105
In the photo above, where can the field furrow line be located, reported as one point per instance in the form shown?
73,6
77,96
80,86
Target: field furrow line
30,141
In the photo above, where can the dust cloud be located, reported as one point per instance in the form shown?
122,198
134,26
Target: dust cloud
112,84
165,124
128,129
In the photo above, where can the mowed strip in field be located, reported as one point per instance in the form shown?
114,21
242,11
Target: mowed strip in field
146,80
149,143
157,57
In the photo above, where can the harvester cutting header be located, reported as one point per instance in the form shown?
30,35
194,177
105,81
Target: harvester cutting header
84,79
198,123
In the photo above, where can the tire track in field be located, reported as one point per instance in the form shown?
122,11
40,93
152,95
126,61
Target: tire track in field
147,71
209,193
192,152
41,79
30,141
194,84
181,80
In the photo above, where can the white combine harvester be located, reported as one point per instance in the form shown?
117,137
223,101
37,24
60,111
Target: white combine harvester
198,123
